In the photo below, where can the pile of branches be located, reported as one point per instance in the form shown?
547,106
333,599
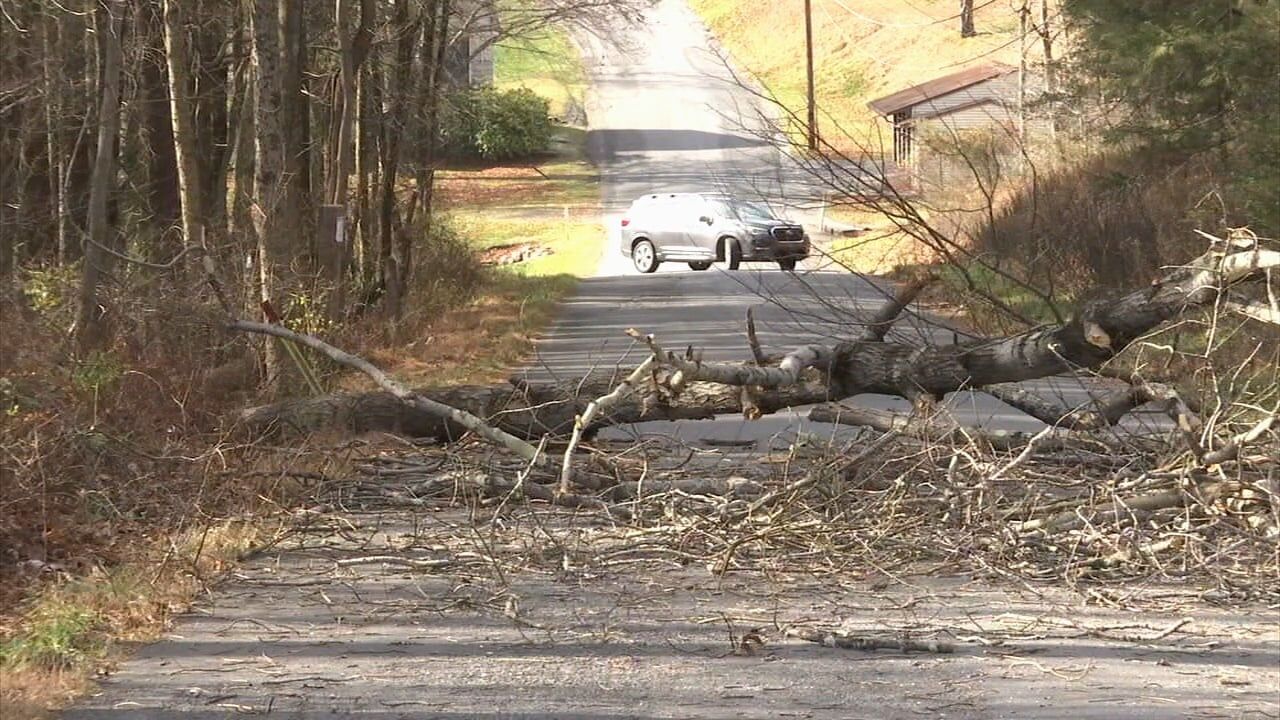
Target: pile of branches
887,503
1076,500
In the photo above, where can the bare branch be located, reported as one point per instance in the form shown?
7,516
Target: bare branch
461,417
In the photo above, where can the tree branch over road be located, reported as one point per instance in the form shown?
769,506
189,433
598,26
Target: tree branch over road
674,387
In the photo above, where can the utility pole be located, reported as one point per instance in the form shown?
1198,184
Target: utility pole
813,108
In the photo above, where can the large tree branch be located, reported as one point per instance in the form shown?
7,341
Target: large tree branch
406,396
1101,330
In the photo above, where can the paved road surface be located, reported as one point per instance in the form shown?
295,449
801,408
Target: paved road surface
300,633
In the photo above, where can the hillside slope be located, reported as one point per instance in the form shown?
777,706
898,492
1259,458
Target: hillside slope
863,49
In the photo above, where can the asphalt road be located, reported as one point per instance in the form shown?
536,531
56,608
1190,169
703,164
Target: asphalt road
666,113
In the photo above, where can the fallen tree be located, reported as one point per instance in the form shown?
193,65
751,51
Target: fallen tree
684,387
1070,501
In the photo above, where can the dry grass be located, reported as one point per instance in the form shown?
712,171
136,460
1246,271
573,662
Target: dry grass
476,343
863,50
880,247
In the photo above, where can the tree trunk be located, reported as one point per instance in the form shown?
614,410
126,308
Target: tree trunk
296,206
368,139
435,45
241,166
181,112
165,202
966,19
212,69
1024,15
92,333
54,135
354,47
274,249
526,412
682,388
396,126
1050,71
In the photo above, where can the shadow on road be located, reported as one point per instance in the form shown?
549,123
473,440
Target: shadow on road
603,146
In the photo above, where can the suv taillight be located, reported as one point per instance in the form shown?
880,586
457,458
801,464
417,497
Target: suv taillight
626,222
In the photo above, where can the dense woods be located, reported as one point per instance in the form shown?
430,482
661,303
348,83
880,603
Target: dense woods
293,144
169,163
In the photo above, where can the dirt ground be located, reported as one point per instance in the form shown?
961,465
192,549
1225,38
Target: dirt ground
443,608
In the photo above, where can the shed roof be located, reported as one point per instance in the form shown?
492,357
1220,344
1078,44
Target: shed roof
938,87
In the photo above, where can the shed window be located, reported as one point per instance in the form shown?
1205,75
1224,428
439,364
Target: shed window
902,137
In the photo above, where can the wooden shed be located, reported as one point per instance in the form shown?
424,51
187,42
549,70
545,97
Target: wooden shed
979,96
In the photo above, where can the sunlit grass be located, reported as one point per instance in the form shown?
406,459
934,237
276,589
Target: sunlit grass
546,62
883,47
74,627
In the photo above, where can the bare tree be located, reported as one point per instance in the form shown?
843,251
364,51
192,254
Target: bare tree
275,251
966,19
178,57
91,331
295,113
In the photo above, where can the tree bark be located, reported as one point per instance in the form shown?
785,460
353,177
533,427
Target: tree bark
396,126
165,202
966,19
1050,70
354,47
92,333
813,374
181,84
212,69
400,259
296,205
275,250
1102,329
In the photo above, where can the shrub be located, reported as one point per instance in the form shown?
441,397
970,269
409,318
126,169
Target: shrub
1113,220
491,124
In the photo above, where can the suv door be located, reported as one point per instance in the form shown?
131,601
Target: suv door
700,235
671,221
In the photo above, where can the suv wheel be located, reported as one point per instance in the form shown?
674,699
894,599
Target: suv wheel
702,265
644,257
732,253
789,264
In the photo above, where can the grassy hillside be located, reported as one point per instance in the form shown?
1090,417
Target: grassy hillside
863,49
546,62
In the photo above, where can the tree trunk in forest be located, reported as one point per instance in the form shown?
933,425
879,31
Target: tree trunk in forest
353,47
397,125
400,258
54,133
241,169
91,330
368,138
1050,70
296,210
181,112
275,250
213,69
164,201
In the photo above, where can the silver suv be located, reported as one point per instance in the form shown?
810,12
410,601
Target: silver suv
701,229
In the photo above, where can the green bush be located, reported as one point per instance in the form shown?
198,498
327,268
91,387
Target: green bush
491,124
